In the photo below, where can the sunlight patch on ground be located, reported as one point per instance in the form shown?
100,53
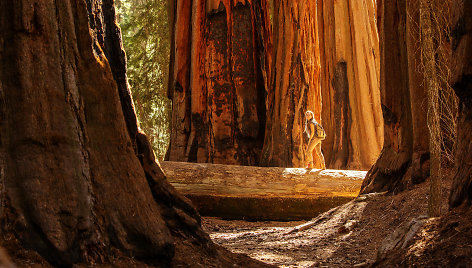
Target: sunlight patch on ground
332,173
285,247
245,234
271,256
300,264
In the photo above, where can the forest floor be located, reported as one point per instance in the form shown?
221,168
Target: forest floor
346,236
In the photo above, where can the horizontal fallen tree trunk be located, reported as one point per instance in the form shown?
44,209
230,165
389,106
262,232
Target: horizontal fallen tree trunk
268,193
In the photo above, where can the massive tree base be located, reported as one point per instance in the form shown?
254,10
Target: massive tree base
187,254
262,193
79,181
404,160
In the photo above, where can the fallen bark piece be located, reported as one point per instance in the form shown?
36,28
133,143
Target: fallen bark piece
262,192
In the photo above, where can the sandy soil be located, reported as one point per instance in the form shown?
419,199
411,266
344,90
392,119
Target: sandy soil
346,236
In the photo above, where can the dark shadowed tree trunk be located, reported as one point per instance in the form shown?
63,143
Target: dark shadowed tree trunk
79,181
379,7
462,84
220,60
350,58
428,49
294,86
405,156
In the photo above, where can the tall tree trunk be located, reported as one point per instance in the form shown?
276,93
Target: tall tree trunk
294,86
218,80
462,84
404,159
74,188
350,59
418,96
432,88
378,8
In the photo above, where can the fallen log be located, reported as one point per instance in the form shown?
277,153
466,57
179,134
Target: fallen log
262,193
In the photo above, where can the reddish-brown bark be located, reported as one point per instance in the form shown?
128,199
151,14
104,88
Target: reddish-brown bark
218,80
378,8
405,156
79,181
294,86
218,106
462,84
351,111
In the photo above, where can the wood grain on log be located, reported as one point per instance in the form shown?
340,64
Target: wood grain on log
262,192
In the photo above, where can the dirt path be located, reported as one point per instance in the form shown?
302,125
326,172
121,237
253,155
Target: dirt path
346,236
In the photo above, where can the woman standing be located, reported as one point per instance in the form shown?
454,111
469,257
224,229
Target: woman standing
316,134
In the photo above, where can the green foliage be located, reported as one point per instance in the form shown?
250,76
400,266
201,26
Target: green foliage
145,33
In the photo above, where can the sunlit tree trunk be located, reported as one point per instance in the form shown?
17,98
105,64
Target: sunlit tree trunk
461,67
218,80
350,59
294,85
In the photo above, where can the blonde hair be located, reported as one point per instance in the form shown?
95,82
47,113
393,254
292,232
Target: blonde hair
306,120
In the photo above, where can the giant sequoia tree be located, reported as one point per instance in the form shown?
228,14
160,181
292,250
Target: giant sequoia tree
79,181
294,84
218,80
405,156
462,84
218,90
350,77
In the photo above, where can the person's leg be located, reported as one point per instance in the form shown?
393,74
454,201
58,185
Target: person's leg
309,153
320,155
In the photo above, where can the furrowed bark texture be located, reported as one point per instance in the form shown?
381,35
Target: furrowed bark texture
294,85
462,84
378,8
433,118
79,182
218,80
350,58
404,159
